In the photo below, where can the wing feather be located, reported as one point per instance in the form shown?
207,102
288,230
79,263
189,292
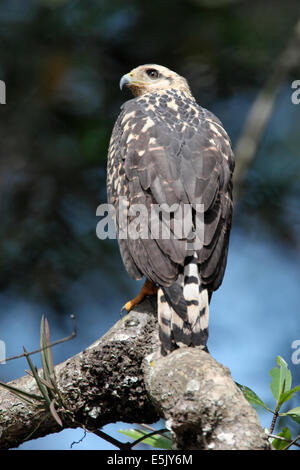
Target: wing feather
173,158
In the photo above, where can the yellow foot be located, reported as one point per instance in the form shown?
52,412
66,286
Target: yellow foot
149,288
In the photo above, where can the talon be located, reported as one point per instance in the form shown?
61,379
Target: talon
149,288
122,310
125,309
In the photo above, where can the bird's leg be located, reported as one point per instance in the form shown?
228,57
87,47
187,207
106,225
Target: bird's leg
149,288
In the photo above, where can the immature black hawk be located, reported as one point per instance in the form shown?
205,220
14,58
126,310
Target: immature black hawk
167,150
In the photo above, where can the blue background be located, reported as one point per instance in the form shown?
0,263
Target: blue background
62,99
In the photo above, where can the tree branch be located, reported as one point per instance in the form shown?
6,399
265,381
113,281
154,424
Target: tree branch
121,377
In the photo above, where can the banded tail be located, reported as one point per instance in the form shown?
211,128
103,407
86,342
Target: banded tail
183,310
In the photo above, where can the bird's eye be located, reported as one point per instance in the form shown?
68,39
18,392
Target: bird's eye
152,73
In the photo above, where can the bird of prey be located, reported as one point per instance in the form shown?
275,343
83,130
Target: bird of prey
166,151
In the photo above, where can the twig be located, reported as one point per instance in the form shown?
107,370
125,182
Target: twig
273,422
111,440
152,429
293,442
59,341
126,445
80,440
159,431
280,438
147,426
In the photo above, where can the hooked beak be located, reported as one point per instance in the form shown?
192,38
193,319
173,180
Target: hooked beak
126,80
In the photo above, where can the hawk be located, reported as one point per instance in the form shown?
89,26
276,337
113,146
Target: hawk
166,151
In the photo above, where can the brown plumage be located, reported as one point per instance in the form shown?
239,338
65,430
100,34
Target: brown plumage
165,148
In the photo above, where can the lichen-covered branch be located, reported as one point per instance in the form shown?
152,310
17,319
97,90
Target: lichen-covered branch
203,406
121,377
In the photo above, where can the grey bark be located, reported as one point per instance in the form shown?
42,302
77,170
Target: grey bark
121,377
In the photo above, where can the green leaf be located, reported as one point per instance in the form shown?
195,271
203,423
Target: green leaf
46,353
294,413
281,379
286,374
54,413
21,393
285,396
275,383
278,443
42,388
158,441
43,343
252,397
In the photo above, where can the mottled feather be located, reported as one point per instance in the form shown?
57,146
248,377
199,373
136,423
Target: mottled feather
165,148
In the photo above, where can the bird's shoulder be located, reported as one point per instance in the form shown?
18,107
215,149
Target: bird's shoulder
172,120
168,107
169,111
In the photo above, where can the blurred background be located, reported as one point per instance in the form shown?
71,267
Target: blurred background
62,61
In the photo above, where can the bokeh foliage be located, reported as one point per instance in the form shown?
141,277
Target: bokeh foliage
62,60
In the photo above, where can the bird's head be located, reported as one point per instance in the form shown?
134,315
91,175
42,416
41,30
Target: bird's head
151,78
